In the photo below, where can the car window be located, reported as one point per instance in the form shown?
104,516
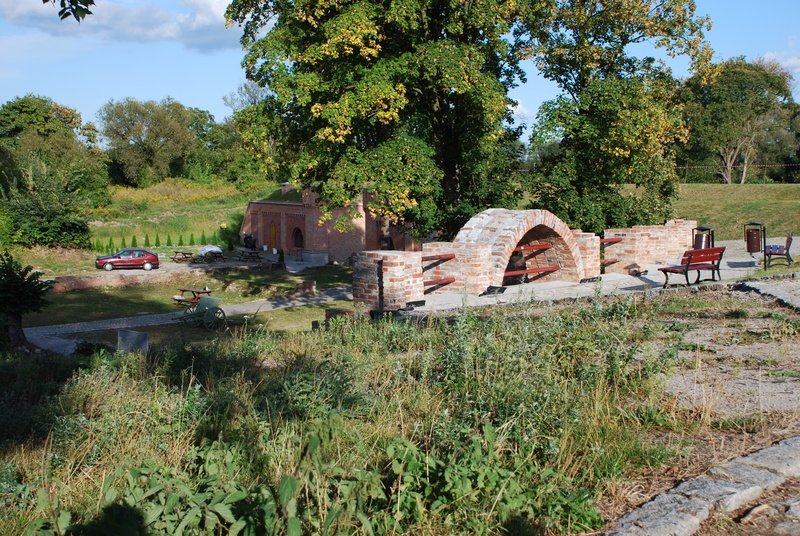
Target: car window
138,254
125,254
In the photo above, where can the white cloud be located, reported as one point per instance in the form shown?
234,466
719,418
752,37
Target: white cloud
197,24
521,112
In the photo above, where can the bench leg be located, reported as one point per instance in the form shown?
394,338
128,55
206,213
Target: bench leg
666,279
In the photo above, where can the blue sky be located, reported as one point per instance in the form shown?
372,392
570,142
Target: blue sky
181,49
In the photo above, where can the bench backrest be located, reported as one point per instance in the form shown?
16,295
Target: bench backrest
708,255
788,242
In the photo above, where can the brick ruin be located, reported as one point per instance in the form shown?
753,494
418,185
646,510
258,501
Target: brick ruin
499,244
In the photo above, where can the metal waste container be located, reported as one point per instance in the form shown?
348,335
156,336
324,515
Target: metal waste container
754,236
702,237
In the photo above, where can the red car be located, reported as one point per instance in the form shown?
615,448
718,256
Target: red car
128,258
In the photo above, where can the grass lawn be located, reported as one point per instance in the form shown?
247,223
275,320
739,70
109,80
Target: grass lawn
233,286
727,207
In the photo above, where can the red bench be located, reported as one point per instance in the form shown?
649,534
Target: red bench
695,260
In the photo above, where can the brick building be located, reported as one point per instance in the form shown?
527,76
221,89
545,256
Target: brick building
289,221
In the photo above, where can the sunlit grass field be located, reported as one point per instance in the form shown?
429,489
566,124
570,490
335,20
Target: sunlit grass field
728,207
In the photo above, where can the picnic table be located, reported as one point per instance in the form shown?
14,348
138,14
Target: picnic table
189,297
182,256
249,255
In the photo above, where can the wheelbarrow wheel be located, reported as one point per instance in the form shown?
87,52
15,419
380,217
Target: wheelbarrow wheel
214,318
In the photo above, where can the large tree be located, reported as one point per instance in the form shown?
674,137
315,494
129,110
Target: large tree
741,108
404,100
148,141
618,115
51,172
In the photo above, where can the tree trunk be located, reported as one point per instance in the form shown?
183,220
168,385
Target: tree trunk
16,335
727,158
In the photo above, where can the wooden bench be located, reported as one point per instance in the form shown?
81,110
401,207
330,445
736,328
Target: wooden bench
695,260
182,256
249,255
779,251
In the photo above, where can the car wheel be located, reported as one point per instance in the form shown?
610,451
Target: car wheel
108,267
147,266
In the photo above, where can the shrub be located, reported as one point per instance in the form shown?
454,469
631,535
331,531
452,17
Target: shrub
146,240
169,241
180,240
158,241
133,242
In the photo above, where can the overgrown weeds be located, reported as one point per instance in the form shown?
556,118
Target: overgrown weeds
508,423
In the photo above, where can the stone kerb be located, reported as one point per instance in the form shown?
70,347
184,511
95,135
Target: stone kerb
503,229
387,280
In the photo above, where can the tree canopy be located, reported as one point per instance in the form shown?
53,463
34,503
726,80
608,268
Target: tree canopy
404,100
730,115
618,117
408,100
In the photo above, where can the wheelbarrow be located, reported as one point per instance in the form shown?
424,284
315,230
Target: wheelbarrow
206,313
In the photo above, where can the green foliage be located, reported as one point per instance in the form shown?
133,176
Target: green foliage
22,291
122,243
169,241
148,141
78,9
180,240
408,104
110,248
620,133
158,241
740,116
203,239
42,140
133,242
191,239
146,240
47,215
504,423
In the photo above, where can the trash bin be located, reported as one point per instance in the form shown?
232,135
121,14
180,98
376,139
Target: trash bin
702,237
754,236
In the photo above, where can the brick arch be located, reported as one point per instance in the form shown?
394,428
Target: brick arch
505,229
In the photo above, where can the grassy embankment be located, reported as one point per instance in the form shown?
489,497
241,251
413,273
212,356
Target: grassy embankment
727,207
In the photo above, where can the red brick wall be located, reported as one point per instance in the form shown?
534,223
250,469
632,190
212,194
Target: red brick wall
648,244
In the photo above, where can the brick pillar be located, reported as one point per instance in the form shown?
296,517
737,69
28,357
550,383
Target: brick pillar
589,247
387,280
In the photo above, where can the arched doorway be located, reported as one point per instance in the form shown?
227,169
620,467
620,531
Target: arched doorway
297,238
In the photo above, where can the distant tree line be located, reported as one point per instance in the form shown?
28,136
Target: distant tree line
53,166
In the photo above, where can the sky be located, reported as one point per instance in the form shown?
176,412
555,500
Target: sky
181,49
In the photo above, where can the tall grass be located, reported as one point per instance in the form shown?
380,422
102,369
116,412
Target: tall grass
509,422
